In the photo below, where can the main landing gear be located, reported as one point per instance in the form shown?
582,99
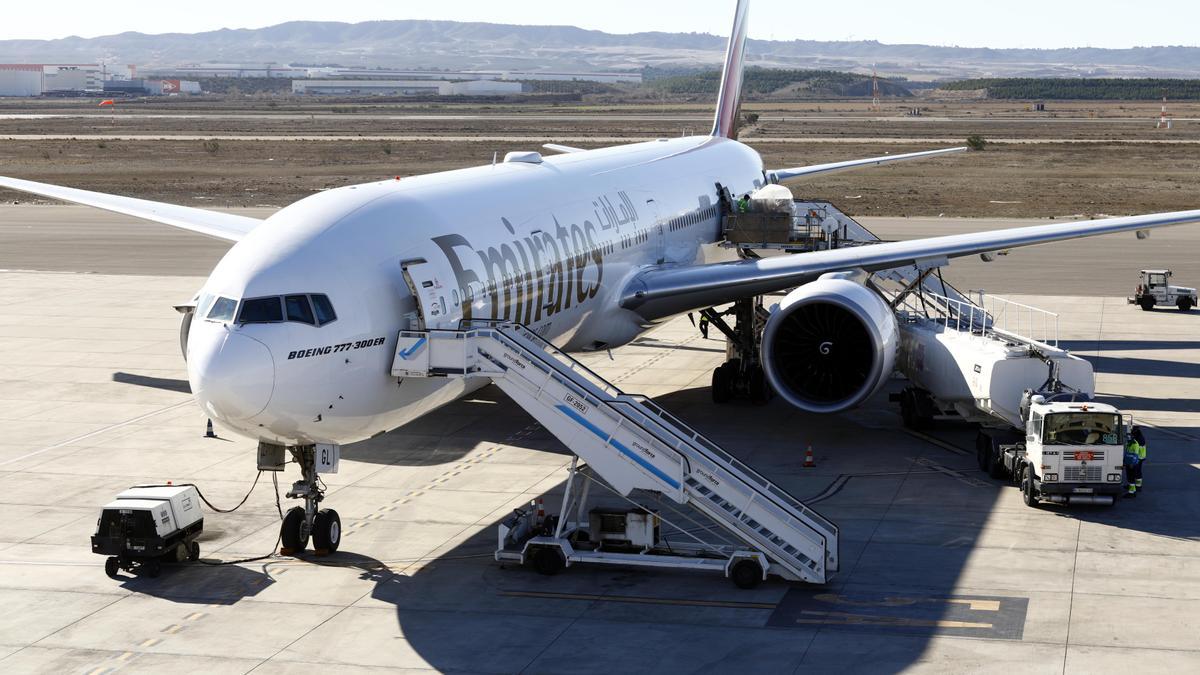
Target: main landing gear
300,523
741,376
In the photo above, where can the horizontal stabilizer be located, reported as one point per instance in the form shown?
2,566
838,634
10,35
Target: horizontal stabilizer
788,175
565,149
215,224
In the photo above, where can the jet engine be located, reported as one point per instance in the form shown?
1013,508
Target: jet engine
830,344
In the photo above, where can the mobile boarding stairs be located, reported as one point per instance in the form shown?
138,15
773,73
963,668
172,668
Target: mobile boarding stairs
632,444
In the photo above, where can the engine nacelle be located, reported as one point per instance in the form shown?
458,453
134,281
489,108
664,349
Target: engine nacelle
829,345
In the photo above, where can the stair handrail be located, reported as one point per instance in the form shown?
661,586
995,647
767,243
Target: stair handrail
701,443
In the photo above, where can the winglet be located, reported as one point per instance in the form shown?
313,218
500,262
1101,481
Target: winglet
729,100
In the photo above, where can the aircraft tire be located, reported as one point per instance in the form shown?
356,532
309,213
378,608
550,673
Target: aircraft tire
289,532
327,531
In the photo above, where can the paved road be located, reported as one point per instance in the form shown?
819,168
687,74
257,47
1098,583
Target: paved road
78,239
538,139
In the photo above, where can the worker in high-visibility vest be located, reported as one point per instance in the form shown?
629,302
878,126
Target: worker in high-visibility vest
1135,456
743,204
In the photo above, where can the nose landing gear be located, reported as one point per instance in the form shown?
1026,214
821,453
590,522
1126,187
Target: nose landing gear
324,526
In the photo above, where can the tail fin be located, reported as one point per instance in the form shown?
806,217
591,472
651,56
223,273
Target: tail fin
730,98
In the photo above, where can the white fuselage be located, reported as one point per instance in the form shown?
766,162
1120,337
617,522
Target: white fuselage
548,244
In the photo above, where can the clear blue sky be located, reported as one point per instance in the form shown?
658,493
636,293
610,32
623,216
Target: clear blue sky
974,23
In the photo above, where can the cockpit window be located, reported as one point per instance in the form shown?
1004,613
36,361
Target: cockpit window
298,309
261,310
222,310
324,309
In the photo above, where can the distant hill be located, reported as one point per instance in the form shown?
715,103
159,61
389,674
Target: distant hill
448,44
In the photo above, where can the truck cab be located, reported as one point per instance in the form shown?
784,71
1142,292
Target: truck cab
1155,289
1073,453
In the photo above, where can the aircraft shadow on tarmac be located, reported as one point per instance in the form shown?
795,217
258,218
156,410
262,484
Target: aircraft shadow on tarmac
163,383
876,611
873,604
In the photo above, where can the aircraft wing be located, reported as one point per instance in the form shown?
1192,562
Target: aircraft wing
215,224
663,290
791,175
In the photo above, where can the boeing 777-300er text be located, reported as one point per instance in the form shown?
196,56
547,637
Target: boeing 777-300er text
292,337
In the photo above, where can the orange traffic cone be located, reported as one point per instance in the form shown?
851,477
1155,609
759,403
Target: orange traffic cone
808,458
541,511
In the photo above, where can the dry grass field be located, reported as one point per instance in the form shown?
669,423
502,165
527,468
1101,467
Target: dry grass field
1077,158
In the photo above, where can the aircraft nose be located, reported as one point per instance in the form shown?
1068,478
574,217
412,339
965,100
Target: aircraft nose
232,375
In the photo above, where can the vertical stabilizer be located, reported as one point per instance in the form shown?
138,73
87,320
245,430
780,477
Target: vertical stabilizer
729,100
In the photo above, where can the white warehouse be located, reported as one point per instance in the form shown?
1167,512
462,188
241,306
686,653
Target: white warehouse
405,87
21,80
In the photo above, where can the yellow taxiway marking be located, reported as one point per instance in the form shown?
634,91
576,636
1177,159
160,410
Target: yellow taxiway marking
194,615
125,657
640,600
840,619
978,605
172,629
901,601
150,642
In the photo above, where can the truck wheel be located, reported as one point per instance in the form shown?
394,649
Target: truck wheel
746,573
1146,303
1184,304
327,531
152,568
194,552
548,561
1027,493
112,566
907,412
982,445
995,461
289,532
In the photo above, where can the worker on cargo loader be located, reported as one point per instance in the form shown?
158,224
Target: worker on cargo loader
1135,455
743,205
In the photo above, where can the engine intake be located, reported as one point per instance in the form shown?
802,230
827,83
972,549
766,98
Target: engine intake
829,345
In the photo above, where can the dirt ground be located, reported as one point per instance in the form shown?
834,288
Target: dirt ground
1079,158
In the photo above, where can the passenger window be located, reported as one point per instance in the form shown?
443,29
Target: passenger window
323,309
222,309
298,309
261,310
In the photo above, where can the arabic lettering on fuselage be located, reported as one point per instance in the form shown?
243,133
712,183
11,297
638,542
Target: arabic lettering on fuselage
539,275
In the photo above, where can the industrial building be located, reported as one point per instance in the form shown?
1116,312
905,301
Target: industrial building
65,79
405,87
21,80
340,73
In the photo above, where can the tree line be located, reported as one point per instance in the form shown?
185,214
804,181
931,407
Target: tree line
1097,89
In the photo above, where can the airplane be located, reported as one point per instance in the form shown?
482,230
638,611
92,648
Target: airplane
290,340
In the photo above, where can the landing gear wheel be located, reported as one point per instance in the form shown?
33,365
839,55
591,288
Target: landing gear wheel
291,533
760,389
722,384
327,531
1027,492
193,552
746,573
1146,303
112,566
548,561
152,568
1184,304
